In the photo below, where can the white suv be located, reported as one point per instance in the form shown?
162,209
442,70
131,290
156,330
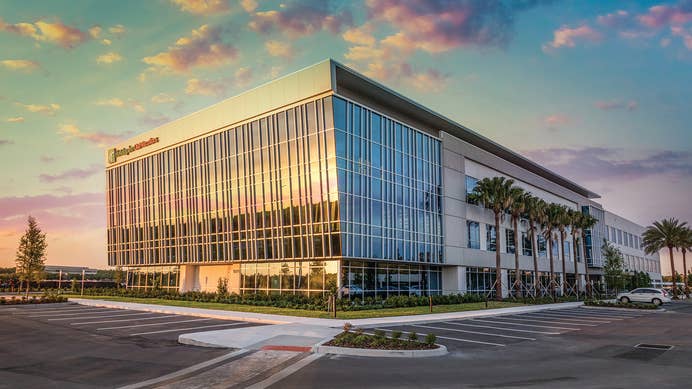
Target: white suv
645,295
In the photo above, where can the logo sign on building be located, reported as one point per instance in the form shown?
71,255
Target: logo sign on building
114,154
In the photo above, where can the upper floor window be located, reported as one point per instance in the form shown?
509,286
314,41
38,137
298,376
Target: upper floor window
474,235
470,185
510,246
526,244
490,238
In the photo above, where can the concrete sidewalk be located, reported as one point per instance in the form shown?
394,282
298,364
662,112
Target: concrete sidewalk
295,331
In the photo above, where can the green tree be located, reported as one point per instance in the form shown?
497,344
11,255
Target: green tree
535,212
549,226
495,194
684,245
31,254
516,210
666,233
613,267
561,223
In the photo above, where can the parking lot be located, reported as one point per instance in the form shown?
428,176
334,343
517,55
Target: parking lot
505,330
71,345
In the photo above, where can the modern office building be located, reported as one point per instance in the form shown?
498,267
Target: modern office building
321,179
627,237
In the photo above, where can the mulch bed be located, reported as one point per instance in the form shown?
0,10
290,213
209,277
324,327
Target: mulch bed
356,340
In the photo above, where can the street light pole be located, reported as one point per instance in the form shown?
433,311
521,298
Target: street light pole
82,282
60,282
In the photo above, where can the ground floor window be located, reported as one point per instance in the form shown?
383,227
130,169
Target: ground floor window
153,277
313,278
480,280
360,279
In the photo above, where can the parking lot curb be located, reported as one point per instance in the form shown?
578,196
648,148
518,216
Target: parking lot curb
362,352
657,310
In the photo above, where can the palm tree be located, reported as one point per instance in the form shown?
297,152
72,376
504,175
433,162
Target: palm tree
574,226
661,234
535,211
586,222
516,210
562,221
495,194
684,245
548,225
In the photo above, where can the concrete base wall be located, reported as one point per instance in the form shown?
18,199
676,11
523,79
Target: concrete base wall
205,278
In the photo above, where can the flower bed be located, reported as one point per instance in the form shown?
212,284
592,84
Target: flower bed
358,339
44,299
600,303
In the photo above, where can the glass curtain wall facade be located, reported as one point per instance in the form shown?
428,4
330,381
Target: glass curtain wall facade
389,180
287,196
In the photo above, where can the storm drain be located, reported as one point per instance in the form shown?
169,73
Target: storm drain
645,352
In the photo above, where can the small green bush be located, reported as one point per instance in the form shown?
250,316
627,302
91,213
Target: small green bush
430,339
379,333
412,337
396,335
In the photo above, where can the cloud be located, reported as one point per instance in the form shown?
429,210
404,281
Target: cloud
95,31
47,158
117,30
48,110
440,25
71,174
85,210
361,35
154,119
279,49
557,120
203,48
248,5
16,119
605,164
108,58
106,42
665,15
5,142
196,86
100,139
114,102
631,105
20,64
685,34
568,37
42,31
202,7
300,18
243,76
162,98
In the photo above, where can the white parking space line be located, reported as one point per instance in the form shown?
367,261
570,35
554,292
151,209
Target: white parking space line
456,339
188,329
584,312
72,314
578,317
567,318
524,324
472,332
28,311
60,311
502,328
151,324
101,316
121,320
603,315
549,321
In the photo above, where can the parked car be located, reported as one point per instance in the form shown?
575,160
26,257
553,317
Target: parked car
645,295
352,290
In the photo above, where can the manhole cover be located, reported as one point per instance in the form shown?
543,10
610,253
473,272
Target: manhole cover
664,347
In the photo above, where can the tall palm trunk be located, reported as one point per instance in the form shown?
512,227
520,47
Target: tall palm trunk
498,270
517,276
564,267
672,271
577,281
28,284
684,265
534,247
586,265
552,267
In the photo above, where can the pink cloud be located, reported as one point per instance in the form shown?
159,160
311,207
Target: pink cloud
664,15
101,139
557,120
71,174
203,48
296,19
568,37
42,31
202,7
631,105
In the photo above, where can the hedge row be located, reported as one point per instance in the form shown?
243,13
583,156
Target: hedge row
305,302
601,303
44,299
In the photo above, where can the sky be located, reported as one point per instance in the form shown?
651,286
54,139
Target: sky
598,91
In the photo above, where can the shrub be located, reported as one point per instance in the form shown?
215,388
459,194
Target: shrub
396,335
360,340
430,339
379,333
412,337
347,327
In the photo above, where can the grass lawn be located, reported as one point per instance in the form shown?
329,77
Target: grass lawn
365,314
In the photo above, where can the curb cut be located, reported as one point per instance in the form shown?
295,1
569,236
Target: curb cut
361,352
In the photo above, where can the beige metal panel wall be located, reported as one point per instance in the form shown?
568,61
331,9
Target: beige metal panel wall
306,83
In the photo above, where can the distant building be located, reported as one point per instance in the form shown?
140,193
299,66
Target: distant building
627,237
55,269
